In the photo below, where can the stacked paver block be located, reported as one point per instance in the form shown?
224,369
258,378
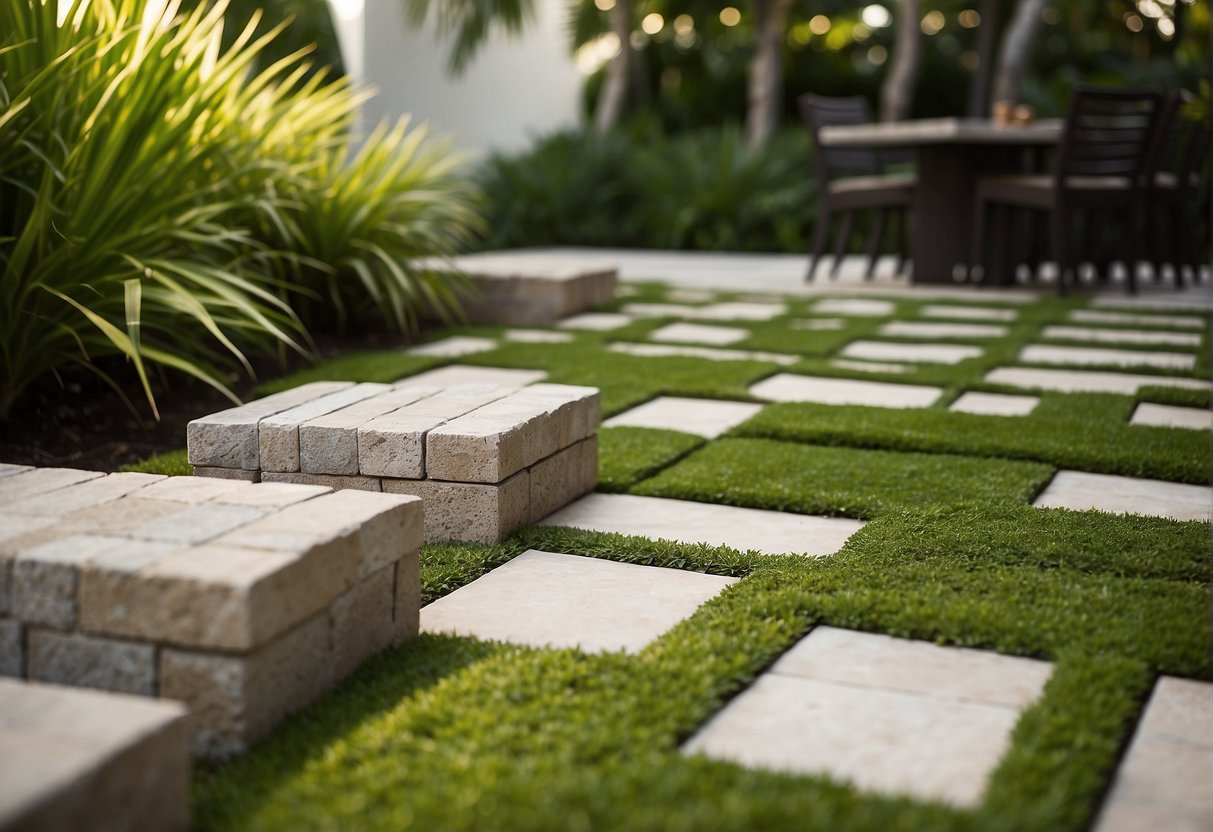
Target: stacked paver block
245,601
485,459
79,759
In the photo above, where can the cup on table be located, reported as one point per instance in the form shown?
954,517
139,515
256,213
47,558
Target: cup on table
1003,113
1023,115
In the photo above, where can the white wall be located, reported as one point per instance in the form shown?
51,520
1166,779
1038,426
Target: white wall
513,91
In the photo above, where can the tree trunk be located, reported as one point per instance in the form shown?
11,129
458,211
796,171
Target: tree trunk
987,42
1016,49
765,94
615,87
898,92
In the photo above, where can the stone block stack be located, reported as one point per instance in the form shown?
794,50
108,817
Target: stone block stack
485,459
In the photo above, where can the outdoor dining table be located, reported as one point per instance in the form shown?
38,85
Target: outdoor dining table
951,154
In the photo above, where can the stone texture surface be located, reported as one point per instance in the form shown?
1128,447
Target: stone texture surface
1081,491
887,714
459,375
81,759
12,648
768,532
453,347
191,490
819,324
361,621
90,662
41,481
272,495
1163,780
1086,381
1121,336
227,473
228,439
82,495
597,321
1168,416
659,310
797,388
689,296
1093,316
855,307
8,469
870,366
739,310
469,511
562,478
967,313
925,329
329,444
537,336
528,288
994,404
926,353
1090,356
45,579
278,435
703,417
683,333
196,524
330,481
406,609
710,353
553,600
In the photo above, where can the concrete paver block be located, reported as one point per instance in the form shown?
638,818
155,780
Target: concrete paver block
926,353
854,307
869,366
453,347
967,313
709,353
537,336
1086,381
191,490
8,469
476,512
787,387
994,404
1081,491
278,435
460,375
1121,336
563,477
45,579
596,321
12,648
227,473
925,329
333,482
406,605
683,333
91,662
1168,416
83,495
41,481
329,444
1093,316
361,621
703,417
196,524
819,324
1091,356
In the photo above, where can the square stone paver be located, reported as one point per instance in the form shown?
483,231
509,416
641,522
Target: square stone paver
888,714
685,521
659,310
994,404
1085,357
460,374
1092,316
1081,491
819,324
598,321
1086,381
709,353
1121,336
1169,416
870,366
787,387
551,600
453,347
699,334
967,313
740,311
926,353
703,417
1163,781
926,329
689,296
855,307
537,336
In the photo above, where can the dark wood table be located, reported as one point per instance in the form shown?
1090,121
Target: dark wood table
952,153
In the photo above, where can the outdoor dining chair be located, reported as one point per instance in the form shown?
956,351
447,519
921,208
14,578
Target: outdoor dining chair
1098,171
1176,172
852,179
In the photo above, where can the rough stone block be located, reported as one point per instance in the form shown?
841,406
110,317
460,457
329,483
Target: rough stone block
119,517
12,651
45,579
83,759
329,444
228,439
197,524
406,613
331,481
562,477
8,469
234,700
40,481
361,622
83,495
227,473
273,495
469,511
19,532
278,435
89,662
393,445
192,490
578,413
529,289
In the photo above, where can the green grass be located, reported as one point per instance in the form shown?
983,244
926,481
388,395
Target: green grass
171,464
628,455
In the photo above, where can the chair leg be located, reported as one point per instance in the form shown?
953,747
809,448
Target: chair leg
840,242
874,242
821,237
1000,229
1129,243
1058,228
903,243
977,251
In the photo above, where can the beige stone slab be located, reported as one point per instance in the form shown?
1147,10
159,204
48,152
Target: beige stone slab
40,481
553,600
328,444
739,310
82,759
474,512
1086,357
1168,416
786,387
226,473
89,662
855,307
460,375
406,604
1092,316
744,529
967,313
819,324
82,495
579,410
703,417
278,435
453,347
394,445
361,622
191,490
12,648
272,495
45,579
537,336
197,524
659,310
228,439
119,517
1081,491
1086,381
8,469
689,296
1120,336
870,366
16,526
926,329
709,353
563,477
596,321
925,353
994,404
683,333
333,482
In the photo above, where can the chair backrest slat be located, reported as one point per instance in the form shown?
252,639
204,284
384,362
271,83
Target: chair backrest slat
1108,133
821,111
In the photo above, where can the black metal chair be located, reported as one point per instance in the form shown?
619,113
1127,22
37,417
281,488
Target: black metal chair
1175,173
852,179
1099,170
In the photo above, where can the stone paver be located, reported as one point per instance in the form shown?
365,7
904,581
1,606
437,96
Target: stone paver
767,532
855,307
689,296
925,353
538,336
1092,316
328,444
1121,336
887,714
83,495
967,313
41,481
278,435
1127,495
1169,416
552,600
659,310
819,324
926,329
7,469
1086,381
453,347
598,321
459,375
869,366
1163,781
703,417
994,404
786,387
741,311
710,353
683,333
1087,357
